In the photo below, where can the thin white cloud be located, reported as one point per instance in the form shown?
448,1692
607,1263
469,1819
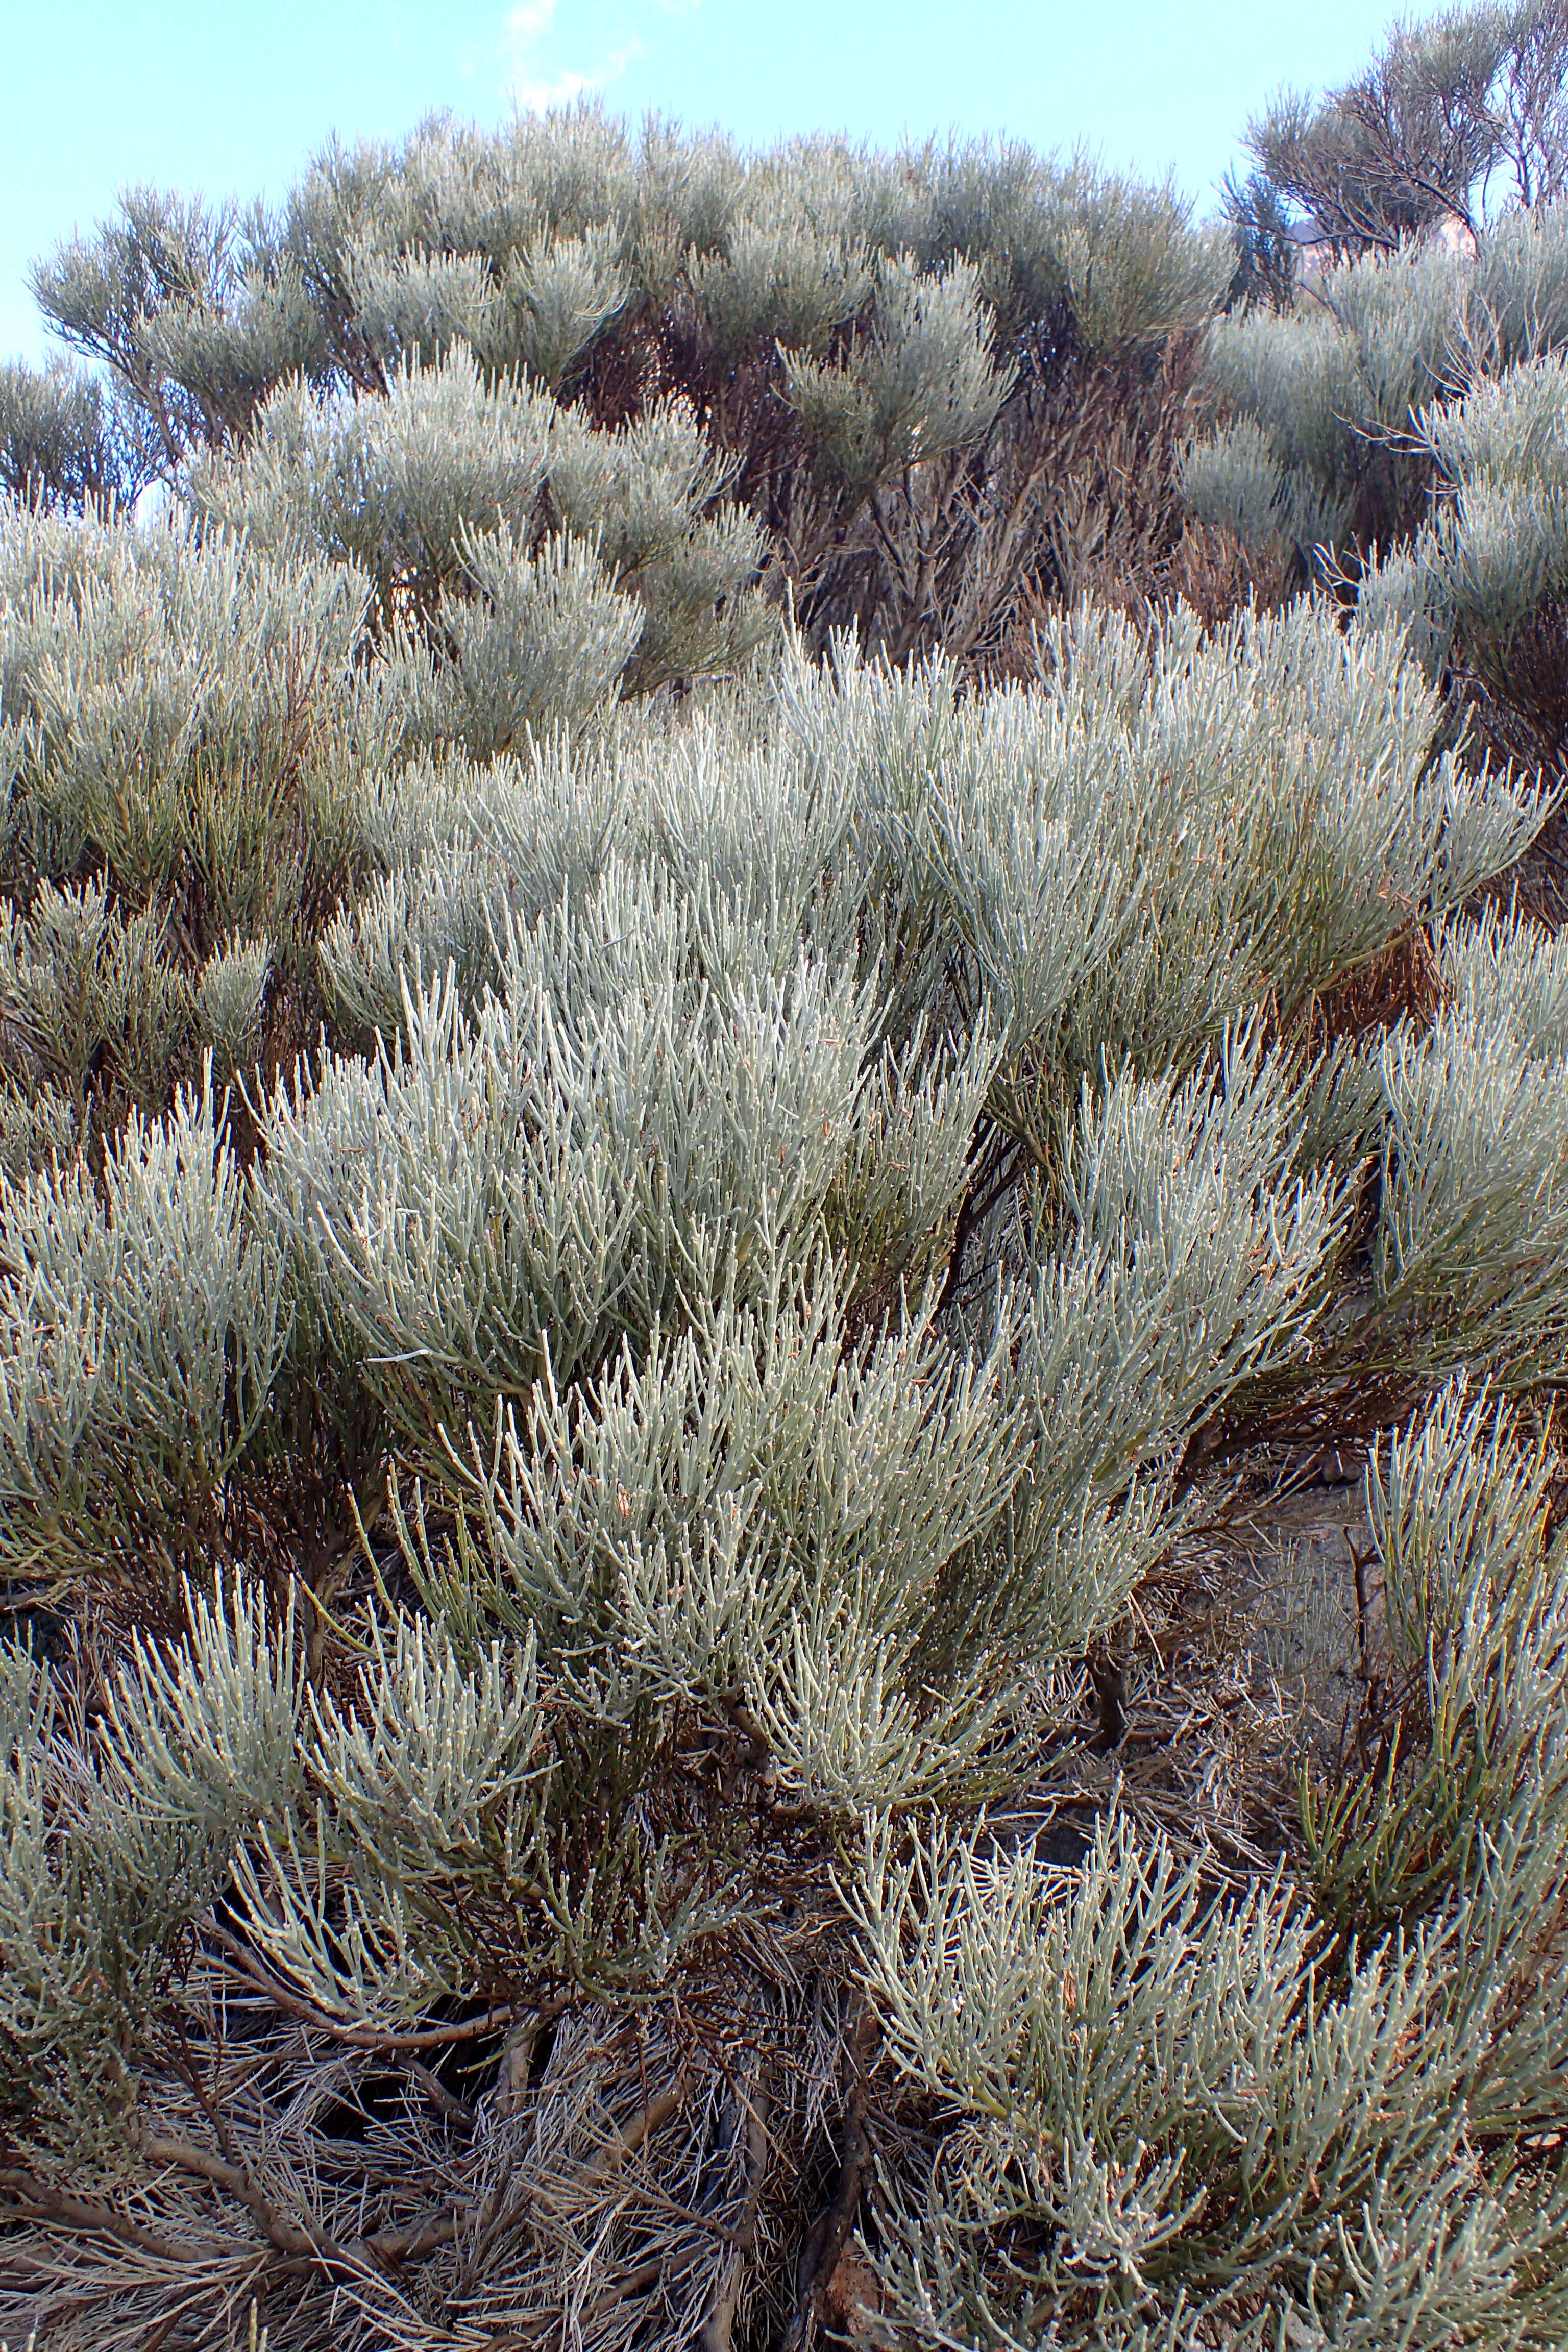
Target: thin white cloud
537,82
529,20
533,88
535,95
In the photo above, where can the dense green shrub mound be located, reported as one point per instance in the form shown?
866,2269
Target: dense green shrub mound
946,384
674,1132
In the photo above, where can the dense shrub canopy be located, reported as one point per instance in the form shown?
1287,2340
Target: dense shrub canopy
681,1139
1397,433
938,380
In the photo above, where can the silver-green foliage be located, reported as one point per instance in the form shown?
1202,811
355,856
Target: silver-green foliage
437,493
1167,833
835,332
1182,2111
1470,1230
925,382
537,314
144,1321
1419,409
1173,2120
168,692
530,243
671,1043
1236,478
1508,964
1496,551
65,439
110,1846
1336,410
1464,1735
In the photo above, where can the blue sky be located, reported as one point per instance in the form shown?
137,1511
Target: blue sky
232,99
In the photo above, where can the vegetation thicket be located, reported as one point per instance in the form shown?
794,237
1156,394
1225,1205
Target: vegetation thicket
765,916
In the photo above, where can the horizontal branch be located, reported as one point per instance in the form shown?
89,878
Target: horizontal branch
36,2202
369,2037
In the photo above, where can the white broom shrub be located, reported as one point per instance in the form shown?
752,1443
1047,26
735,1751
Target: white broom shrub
638,1242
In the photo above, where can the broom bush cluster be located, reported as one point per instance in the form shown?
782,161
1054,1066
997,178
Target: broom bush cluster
681,1113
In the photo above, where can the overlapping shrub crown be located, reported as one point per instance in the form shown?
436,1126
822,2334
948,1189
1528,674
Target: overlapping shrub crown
633,1192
